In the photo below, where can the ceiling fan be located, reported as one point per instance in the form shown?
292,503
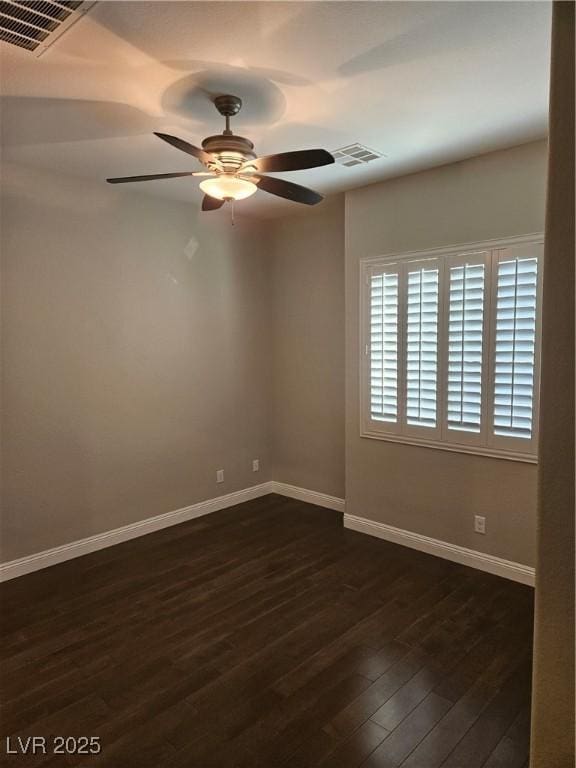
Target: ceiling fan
234,171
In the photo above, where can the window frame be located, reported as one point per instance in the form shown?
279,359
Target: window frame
484,443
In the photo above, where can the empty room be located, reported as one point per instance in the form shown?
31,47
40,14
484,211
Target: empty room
287,342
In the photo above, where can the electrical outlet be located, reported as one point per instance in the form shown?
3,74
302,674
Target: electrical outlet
219,475
479,524
256,465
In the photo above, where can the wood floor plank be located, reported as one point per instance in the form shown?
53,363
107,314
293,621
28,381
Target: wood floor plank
364,707
407,698
478,743
512,750
444,737
508,754
267,636
352,752
406,737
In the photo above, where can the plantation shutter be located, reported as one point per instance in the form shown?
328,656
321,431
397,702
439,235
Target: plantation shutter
421,346
466,299
515,346
450,348
383,357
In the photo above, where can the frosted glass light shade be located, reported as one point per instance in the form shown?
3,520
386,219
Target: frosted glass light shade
226,187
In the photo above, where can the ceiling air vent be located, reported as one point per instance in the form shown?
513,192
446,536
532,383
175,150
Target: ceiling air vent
35,24
355,154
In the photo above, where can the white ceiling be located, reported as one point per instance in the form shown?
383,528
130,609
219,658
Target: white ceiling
422,83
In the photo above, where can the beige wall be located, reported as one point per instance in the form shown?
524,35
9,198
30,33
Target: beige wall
136,342
308,349
146,346
433,492
553,689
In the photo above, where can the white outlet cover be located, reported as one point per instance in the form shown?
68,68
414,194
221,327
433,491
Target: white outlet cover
219,475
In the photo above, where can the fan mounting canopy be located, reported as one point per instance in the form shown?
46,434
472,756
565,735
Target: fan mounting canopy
228,106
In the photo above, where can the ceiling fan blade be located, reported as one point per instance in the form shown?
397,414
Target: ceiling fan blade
211,203
149,177
287,189
292,161
190,149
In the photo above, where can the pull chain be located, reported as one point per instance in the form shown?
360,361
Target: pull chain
232,211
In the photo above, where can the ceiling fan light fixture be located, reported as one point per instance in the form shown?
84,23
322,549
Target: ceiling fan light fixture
226,187
236,170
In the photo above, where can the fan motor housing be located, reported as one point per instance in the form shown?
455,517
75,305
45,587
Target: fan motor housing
232,151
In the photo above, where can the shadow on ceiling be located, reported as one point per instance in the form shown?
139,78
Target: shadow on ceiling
39,120
192,96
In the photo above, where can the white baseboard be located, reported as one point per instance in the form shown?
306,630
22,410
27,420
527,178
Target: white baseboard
483,562
30,563
312,497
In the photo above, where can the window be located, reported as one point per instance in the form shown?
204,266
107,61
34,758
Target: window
450,348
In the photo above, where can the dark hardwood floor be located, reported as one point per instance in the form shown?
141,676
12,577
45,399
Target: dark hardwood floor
267,636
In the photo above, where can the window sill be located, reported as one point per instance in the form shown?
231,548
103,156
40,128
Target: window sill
493,453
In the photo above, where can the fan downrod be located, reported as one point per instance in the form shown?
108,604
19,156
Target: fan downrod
228,106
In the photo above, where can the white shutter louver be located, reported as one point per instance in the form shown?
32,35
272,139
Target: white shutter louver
465,347
515,347
422,347
384,347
